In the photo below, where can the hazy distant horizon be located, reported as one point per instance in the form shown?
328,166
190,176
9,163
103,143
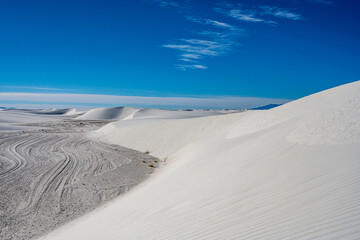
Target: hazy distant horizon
87,101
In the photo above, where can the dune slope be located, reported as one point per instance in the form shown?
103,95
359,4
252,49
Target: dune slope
117,113
291,172
129,113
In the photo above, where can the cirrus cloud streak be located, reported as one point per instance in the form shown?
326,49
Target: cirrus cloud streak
216,102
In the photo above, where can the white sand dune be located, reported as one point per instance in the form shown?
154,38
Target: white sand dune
116,113
12,119
9,119
66,111
291,172
126,113
147,113
74,111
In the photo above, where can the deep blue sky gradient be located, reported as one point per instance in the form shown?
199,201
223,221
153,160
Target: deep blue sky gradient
116,47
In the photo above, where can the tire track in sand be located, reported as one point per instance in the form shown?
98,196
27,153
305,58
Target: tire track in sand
54,175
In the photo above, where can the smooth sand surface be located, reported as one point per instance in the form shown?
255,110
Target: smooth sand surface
55,174
129,113
289,173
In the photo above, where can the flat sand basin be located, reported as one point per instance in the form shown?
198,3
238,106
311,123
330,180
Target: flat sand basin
54,174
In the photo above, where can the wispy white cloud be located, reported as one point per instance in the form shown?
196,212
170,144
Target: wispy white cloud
244,15
216,41
220,40
219,24
167,3
33,88
185,67
216,35
71,100
187,60
211,22
191,56
199,49
220,37
194,19
192,50
280,13
256,14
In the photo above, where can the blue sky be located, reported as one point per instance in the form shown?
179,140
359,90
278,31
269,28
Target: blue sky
269,49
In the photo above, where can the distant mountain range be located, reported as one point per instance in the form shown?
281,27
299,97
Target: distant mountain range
266,107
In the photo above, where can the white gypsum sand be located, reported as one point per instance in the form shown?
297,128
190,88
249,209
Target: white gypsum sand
127,113
54,174
287,173
13,119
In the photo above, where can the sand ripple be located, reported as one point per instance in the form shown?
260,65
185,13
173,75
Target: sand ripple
51,176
